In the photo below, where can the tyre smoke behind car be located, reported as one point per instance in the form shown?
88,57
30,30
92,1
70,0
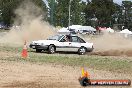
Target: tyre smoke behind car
28,25
112,45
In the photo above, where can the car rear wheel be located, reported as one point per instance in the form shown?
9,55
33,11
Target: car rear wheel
82,51
38,50
51,49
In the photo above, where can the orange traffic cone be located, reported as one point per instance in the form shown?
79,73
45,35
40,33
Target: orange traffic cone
24,51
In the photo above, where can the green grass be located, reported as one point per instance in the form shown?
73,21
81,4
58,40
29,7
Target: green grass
100,63
3,30
96,62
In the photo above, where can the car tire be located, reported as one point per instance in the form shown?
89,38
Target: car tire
51,49
38,50
82,51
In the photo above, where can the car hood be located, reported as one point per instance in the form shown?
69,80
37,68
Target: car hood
43,41
89,43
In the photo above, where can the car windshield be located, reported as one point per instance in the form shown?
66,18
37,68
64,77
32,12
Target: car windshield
55,37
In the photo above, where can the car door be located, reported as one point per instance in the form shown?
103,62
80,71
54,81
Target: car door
75,45
63,45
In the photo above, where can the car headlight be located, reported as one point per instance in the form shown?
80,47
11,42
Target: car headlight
38,43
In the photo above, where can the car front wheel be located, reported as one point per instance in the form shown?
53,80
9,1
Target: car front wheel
51,49
82,51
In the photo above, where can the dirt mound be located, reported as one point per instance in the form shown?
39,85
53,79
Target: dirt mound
113,53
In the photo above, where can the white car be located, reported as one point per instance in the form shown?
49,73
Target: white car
61,42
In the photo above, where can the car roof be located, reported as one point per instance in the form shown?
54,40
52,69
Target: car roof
67,34
73,35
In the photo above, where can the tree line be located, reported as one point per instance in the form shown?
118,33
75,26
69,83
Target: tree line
104,13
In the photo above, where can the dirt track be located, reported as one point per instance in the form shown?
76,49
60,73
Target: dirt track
29,75
113,52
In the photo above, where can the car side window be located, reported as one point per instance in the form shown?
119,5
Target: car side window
81,40
62,40
74,39
65,39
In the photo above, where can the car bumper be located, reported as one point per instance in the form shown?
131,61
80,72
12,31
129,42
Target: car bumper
38,47
90,49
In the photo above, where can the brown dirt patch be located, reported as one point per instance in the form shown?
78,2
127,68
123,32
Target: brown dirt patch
8,54
28,75
117,52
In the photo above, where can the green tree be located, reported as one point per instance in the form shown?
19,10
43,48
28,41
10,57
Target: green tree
102,10
52,12
77,15
123,16
117,17
61,12
127,13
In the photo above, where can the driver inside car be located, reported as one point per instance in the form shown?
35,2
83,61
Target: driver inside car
67,39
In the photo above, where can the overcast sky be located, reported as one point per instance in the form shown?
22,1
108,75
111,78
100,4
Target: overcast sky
116,1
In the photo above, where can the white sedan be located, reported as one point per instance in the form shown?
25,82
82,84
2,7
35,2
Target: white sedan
61,42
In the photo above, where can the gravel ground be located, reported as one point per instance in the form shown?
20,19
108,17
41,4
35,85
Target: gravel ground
29,75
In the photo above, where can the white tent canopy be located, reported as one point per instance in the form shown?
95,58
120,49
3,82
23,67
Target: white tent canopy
80,27
108,30
125,31
64,30
89,28
75,27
